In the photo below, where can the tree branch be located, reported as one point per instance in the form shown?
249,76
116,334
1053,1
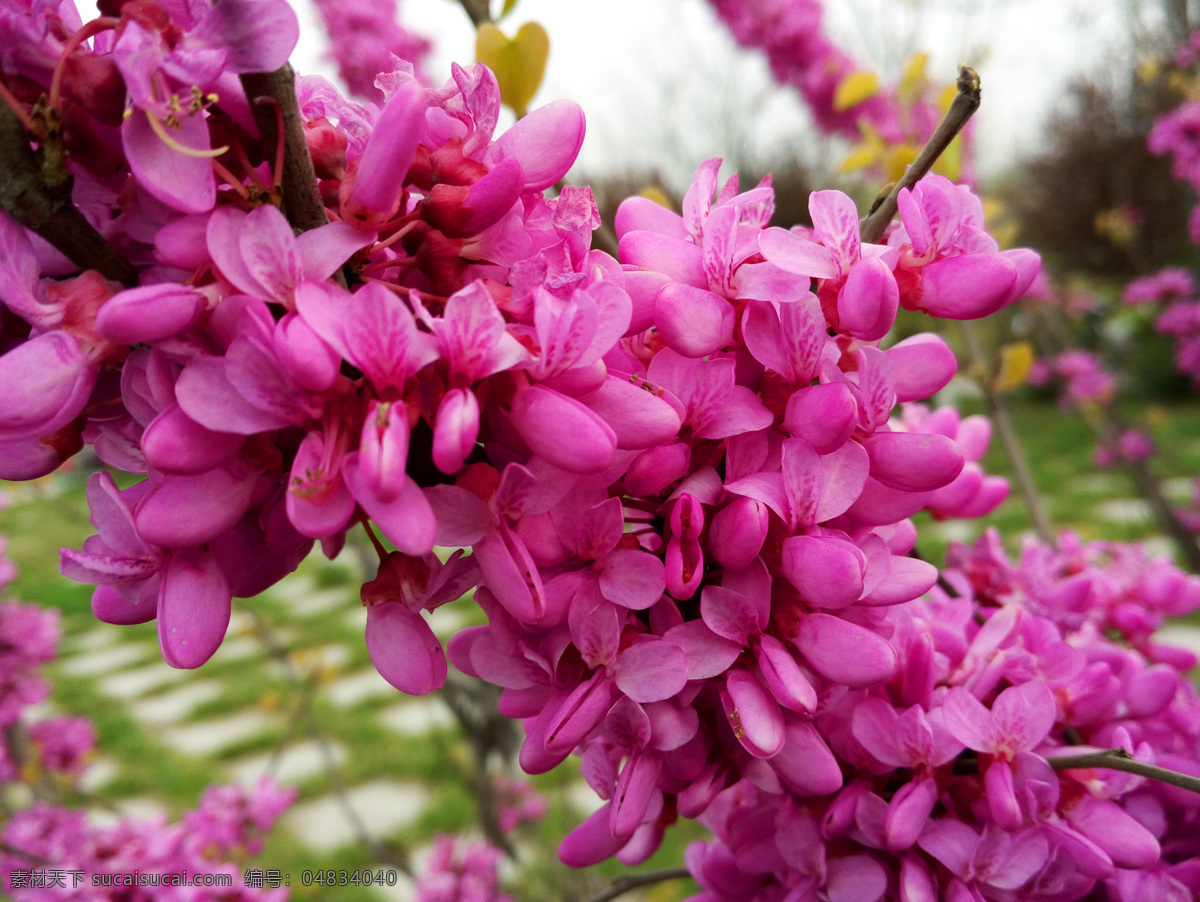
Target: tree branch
52,214
1106,424
477,11
998,411
301,199
1119,759
634,881
966,102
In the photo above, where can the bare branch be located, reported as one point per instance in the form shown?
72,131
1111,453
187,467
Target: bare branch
1119,759
635,881
26,198
966,102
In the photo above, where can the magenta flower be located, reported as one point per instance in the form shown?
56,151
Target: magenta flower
1017,723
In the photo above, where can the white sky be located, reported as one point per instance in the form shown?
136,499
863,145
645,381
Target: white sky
663,84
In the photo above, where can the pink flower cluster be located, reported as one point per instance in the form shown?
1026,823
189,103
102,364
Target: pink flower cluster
790,33
459,871
366,39
1181,320
1178,133
1131,445
937,780
229,823
1174,291
1082,378
1169,284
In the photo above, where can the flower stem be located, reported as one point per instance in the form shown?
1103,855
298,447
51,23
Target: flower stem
1119,759
634,881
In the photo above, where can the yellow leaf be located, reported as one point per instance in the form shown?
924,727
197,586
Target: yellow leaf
518,62
949,163
860,158
1148,71
897,161
914,73
854,89
655,194
1015,362
509,6
947,97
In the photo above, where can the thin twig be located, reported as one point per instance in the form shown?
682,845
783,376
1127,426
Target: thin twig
942,582
301,198
1106,425
477,11
332,770
52,214
488,731
1119,759
966,102
998,411
635,881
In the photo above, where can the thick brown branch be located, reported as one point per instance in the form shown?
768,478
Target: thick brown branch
1119,759
301,198
634,881
966,102
25,197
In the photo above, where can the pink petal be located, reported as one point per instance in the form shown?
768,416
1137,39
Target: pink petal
374,195
651,670
843,651
805,763
404,649
922,366
175,443
827,571
633,579
679,260
47,381
708,655
181,181
563,431
638,418
693,321
913,462
967,287
181,511
753,714
150,313
545,142
868,301
194,606
641,213
407,521
835,223
823,415
797,255
784,677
